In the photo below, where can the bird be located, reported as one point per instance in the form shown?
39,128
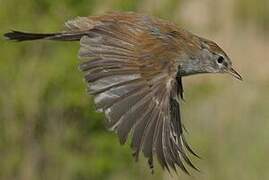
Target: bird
133,65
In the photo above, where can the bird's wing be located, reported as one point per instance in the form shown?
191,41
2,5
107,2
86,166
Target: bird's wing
132,73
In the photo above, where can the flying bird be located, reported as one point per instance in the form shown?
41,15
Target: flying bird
133,65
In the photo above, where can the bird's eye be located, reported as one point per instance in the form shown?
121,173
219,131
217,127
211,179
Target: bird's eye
220,60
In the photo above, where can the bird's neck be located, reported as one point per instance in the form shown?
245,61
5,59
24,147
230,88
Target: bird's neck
190,66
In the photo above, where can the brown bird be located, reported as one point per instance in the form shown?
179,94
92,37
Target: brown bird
133,65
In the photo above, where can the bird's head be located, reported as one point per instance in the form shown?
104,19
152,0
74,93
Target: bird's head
215,60
206,56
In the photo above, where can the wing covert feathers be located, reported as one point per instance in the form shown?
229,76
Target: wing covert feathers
138,90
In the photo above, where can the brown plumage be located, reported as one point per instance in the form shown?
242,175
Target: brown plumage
133,65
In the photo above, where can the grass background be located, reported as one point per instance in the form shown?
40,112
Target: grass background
48,125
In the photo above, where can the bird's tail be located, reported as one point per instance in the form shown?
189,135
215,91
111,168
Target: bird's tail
25,36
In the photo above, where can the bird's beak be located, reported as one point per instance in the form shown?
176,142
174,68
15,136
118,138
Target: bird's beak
235,74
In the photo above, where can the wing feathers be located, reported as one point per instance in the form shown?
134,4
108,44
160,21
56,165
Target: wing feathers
111,72
138,134
138,90
115,112
112,81
150,130
107,98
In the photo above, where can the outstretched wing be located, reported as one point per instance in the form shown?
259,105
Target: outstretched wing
129,65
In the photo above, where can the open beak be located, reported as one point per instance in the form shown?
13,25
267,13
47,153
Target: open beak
235,74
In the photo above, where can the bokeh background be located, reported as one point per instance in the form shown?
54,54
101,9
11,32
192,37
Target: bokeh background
49,129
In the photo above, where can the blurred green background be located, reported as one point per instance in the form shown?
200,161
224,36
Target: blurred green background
48,125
